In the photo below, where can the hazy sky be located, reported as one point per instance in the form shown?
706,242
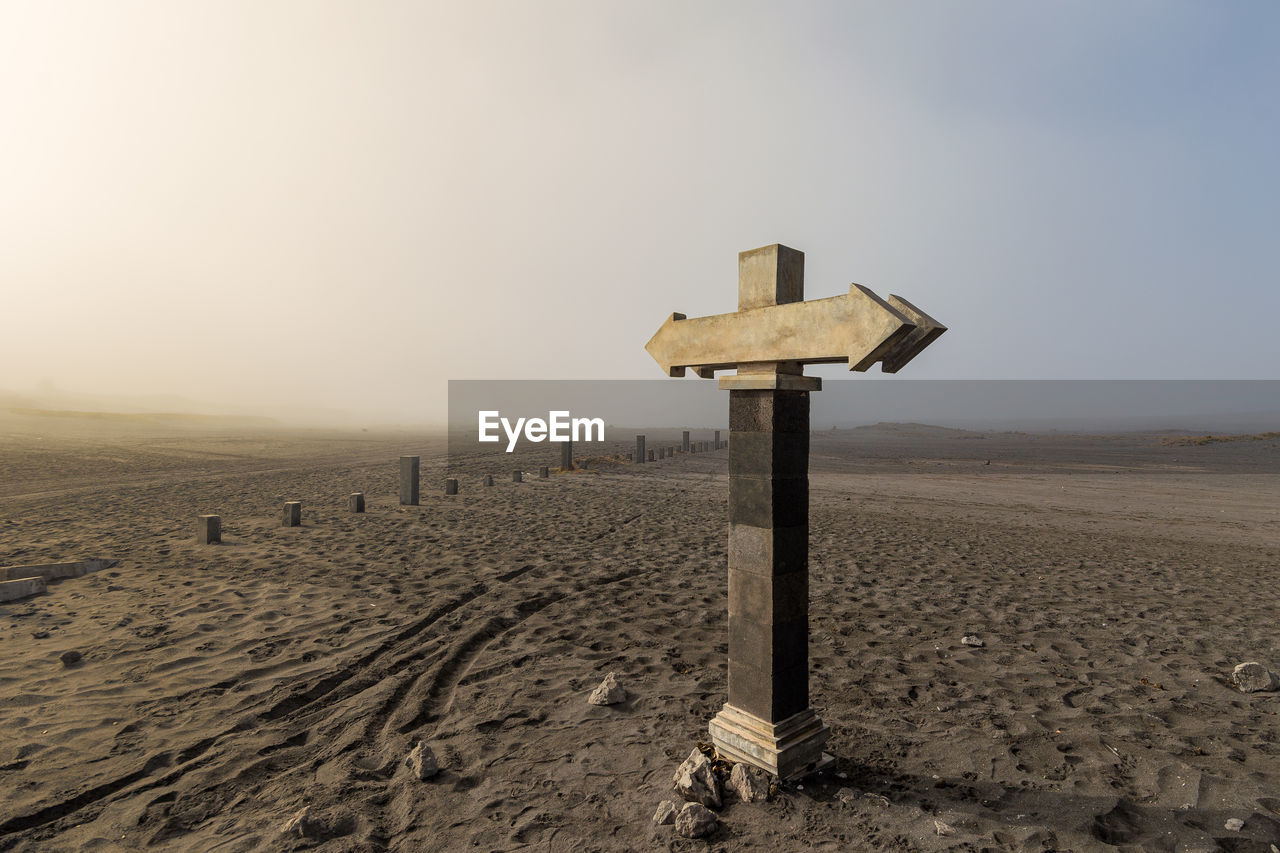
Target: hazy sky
343,205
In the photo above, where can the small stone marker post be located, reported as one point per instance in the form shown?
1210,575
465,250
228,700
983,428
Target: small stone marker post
566,456
209,529
767,721
355,503
517,476
451,486
651,457
640,457
488,479
292,514
408,480
544,472
717,440
685,442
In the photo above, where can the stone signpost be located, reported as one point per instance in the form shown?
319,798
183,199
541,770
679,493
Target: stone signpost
767,721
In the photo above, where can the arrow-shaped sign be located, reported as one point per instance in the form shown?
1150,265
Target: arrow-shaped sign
858,327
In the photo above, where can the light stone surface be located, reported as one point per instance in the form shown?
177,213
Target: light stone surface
1253,677
695,821
21,588
749,783
696,781
610,692
304,825
666,813
422,762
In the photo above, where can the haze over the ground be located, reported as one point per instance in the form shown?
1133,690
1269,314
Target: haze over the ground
325,206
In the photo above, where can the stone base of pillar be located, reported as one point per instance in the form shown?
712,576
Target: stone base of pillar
788,749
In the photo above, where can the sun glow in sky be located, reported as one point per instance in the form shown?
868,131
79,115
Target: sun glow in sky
341,205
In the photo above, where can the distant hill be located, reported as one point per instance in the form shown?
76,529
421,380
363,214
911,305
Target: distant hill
915,429
156,418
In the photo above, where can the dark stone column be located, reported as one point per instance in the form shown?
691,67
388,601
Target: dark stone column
566,456
769,553
685,445
409,480
292,516
640,455
355,502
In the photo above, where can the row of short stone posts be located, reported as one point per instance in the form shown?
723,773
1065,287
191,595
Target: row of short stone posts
209,527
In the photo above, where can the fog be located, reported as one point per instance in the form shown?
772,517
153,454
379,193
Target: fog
327,210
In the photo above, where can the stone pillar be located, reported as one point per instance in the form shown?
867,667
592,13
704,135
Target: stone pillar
488,479
640,456
768,721
544,472
292,514
685,442
517,476
451,486
566,456
208,529
671,452
651,457
355,503
717,440
408,480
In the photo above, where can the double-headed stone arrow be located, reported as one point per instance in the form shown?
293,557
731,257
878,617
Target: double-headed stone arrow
768,721
858,327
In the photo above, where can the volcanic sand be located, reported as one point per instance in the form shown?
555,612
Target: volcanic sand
1114,581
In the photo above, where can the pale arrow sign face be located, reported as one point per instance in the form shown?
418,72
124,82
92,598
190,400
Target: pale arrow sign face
858,327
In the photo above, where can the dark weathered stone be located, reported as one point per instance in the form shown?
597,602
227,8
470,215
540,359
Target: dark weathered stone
544,472
769,502
355,502
651,457
517,476
717,440
292,516
640,454
488,479
768,411
768,551
771,695
763,599
409,480
566,456
451,486
769,454
685,442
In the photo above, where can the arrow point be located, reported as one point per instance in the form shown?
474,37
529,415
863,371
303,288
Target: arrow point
891,329
655,346
927,330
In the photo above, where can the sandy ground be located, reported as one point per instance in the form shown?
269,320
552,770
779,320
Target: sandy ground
1115,582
